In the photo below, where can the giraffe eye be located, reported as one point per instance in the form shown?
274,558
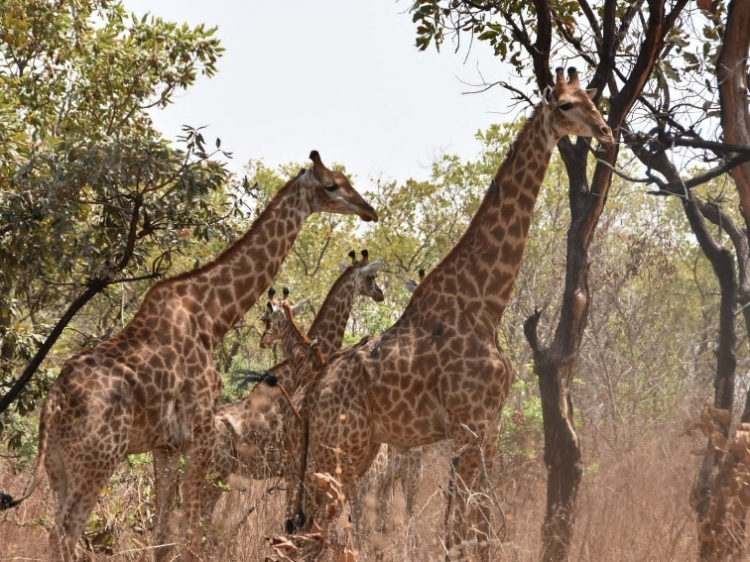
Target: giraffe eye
566,106
332,187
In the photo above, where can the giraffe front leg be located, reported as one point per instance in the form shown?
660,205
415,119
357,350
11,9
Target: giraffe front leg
223,464
468,516
166,482
295,436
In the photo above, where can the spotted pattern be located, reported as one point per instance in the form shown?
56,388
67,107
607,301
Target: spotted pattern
250,432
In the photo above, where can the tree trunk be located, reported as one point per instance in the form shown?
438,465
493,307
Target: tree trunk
562,452
555,364
94,288
731,72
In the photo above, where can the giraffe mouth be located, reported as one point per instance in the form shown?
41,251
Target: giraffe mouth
604,135
367,213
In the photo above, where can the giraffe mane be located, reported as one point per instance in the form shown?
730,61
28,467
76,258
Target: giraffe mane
290,317
271,209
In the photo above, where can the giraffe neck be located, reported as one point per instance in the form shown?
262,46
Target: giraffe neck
330,322
219,293
294,343
477,277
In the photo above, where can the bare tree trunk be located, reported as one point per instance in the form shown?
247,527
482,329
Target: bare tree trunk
555,364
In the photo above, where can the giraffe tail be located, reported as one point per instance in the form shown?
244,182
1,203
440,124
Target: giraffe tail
49,411
247,377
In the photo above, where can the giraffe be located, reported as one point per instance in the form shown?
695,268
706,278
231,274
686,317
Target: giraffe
280,325
249,432
439,373
153,387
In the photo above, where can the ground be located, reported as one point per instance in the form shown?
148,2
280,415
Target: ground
633,507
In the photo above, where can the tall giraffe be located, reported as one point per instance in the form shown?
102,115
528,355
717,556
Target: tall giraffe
438,372
153,386
249,432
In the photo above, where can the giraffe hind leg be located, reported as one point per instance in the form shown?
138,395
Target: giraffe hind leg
82,495
166,483
197,461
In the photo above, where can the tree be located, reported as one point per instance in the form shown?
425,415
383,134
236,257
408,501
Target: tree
90,195
721,485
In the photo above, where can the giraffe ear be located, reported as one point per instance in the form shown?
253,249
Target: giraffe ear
548,96
320,172
372,268
269,306
411,285
299,307
591,92
344,266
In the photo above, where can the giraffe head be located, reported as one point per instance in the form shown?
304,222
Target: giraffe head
572,111
365,275
330,191
275,317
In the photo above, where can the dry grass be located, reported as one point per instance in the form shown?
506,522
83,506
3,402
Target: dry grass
632,506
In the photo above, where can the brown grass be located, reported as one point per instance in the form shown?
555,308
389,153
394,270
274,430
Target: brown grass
633,506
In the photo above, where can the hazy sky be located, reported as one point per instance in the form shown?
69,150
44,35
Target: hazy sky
339,76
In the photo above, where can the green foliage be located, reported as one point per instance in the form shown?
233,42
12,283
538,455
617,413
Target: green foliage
88,189
438,19
522,429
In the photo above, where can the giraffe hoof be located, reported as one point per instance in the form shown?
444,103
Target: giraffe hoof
294,524
7,501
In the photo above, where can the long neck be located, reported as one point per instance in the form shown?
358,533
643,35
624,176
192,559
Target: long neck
477,277
330,322
294,343
219,293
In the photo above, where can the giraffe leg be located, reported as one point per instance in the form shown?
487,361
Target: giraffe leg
78,467
166,482
223,464
410,474
345,464
296,444
78,492
61,546
468,510
197,461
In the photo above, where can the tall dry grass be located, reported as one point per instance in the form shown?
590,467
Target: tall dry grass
633,506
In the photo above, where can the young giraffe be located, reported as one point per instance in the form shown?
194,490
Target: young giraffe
280,325
249,432
153,387
438,372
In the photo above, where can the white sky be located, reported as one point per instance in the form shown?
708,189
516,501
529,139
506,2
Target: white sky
339,76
